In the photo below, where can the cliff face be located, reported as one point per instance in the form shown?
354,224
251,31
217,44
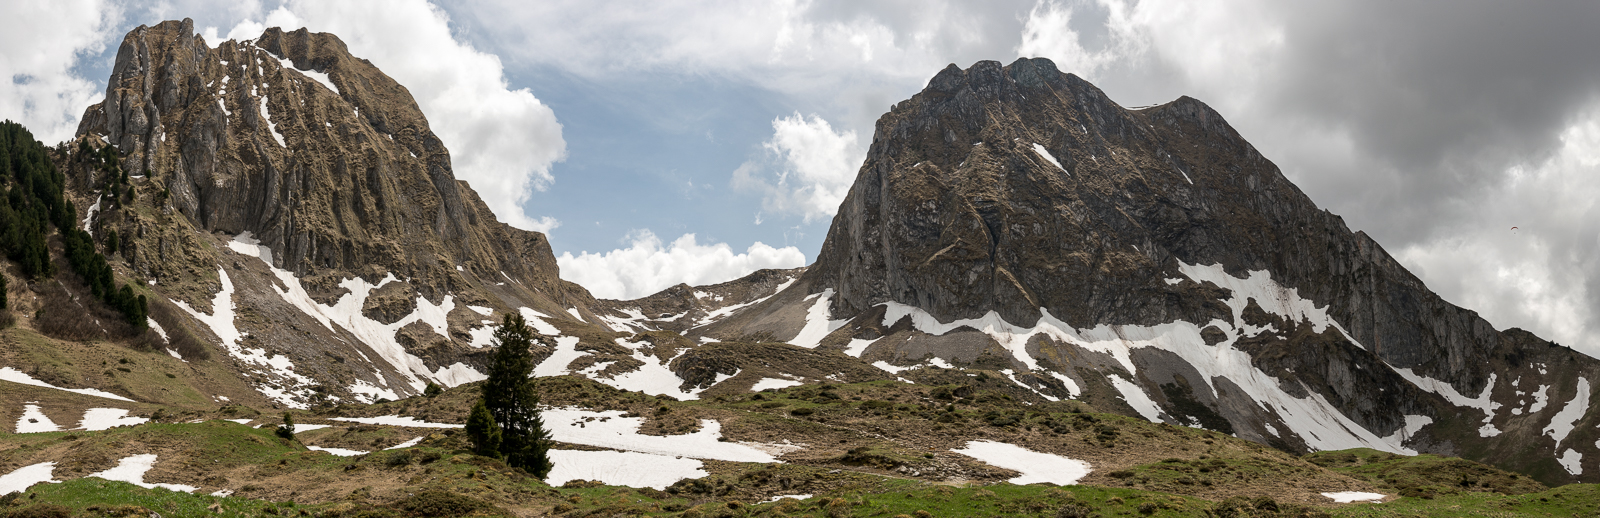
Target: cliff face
306,185
1015,218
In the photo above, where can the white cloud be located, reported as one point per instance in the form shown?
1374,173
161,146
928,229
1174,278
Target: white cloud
647,266
544,224
1525,277
39,44
1047,33
502,140
815,167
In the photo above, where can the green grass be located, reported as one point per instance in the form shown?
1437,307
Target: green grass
97,497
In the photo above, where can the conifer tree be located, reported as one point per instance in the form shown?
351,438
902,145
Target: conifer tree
512,399
286,430
483,432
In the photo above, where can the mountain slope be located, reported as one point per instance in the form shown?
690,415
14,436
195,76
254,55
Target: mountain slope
1014,218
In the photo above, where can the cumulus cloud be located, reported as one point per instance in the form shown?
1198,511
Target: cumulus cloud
39,44
502,140
649,266
814,167
1048,33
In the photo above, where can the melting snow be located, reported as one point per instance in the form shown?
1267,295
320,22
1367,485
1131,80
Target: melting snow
889,367
566,351
318,76
1572,461
608,429
221,323
653,377
536,319
96,419
1045,153
858,346
271,126
1345,497
774,383
1562,423
802,496
25,477
132,470
1413,424
341,452
1541,398
33,421
407,444
1034,466
1136,398
16,376
481,310
622,468
394,420
89,218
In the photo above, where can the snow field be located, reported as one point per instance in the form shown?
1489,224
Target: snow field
1562,423
1034,466
774,383
622,468
34,421
394,420
96,419
16,376
818,324
25,477
340,452
132,470
608,429
1345,497
1045,154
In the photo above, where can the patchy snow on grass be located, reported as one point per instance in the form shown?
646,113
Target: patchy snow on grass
302,428
717,314
156,326
339,452
16,376
608,429
1345,497
1034,466
394,420
774,383
1563,422
132,470
34,421
1072,386
481,310
1045,154
413,442
22,478
245,421
818,323
622,468
801,496
652,377
1013,376
369,393
96,419
481,336
890,368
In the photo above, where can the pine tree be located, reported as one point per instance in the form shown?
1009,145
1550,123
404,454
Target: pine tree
511,397
286,430
5,292
483,432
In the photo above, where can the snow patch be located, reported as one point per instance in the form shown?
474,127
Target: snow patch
340,452
16,376
1034,466
481,310
22,478
858,346
1345,497
221,323
89,219
1413,424
271,126
1572,461
132,470
413,442
1562,423
34,421
1136,398
1045,153
96,419
774,383
608,429
394,420
622,468
1482,402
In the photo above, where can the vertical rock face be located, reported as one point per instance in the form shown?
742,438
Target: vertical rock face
305,185
317,153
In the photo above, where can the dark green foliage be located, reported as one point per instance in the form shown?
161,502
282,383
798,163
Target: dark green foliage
111,241
286,430
432,390
33,200
483,432
5,293
511,397
40,511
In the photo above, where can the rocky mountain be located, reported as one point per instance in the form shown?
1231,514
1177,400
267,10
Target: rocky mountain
1013,229
1015,219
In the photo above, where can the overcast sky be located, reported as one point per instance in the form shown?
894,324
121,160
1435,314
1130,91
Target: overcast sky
674,141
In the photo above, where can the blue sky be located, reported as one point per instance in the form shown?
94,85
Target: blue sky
677,141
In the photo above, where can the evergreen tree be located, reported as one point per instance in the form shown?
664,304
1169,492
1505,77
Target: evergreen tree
111,241
5,292
286,430
483,432
512,399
